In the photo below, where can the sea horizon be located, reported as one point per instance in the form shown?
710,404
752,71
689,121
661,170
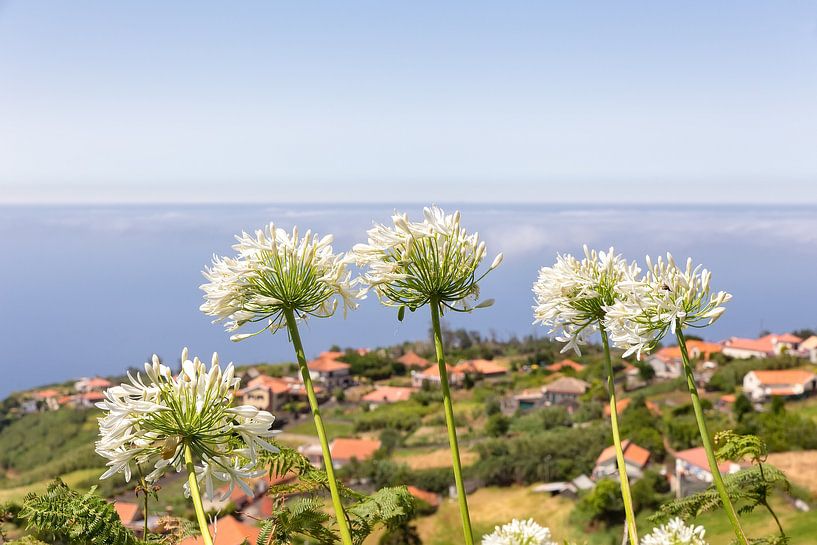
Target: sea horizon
96,288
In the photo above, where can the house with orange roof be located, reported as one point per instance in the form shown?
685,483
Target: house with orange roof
227,530
344,450
330,372
486,369
387,394
93,384
769,345
809,348
412,360
692,472
760,385
431,376
266,393
565,364
48,399
666,363
636,459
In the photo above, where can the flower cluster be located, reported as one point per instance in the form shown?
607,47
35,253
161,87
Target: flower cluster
575,297
519,532
149,423
412,263
572,296
276,271
667,298
675,532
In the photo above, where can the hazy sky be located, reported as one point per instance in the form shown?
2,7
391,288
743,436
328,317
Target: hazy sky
408,101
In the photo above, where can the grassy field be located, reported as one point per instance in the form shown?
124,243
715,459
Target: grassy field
492,506
425,458
334,428
73,479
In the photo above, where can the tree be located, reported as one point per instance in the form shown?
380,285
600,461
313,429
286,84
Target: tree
742,407
603,503
404,534
497,425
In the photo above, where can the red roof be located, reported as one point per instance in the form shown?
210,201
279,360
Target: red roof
764,344
330,355
482,367
705,348
729,398
782,338
559,365
127,511
784,377
326,365
620,406
92,396
632,453
388,394
346,448
97,382
227,531
273,384
697,457
412,359
434,371
429,497
47,393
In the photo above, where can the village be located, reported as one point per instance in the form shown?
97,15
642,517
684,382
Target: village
380,407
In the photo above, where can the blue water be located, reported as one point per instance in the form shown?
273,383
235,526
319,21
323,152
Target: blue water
94,289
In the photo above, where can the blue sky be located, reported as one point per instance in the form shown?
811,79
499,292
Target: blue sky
408,101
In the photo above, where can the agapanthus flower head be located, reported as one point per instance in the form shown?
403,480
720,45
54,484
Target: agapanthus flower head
410,263
519,532
676,532
276,271
149,421
573,295
666,298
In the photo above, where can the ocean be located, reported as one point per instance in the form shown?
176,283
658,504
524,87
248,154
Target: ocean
90,290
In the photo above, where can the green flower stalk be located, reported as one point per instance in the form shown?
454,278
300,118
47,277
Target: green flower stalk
433,262
670,299
276,280
572,298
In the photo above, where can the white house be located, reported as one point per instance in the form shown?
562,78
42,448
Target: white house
330,372
809,348
760,385
564,391
768,345
692,473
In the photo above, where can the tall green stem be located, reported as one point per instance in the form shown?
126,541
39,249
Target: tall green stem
195,495
629,512
705,440
449,422
340,515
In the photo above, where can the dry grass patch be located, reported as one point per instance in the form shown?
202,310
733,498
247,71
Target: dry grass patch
799,466
437,458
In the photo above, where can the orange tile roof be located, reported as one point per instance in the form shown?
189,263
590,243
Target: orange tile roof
429,497
559,365
482,367
632,453
348,448
127,511
227,531
620,406
330,355
783,377
274,384
782,338
97,382
412,359
705,348
763,344
697,457
434,371
47,393
325,365
93,396
388,394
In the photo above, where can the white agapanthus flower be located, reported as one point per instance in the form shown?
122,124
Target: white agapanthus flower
519,532
410,263
149,421
675,532
275,271
572,296
666,298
